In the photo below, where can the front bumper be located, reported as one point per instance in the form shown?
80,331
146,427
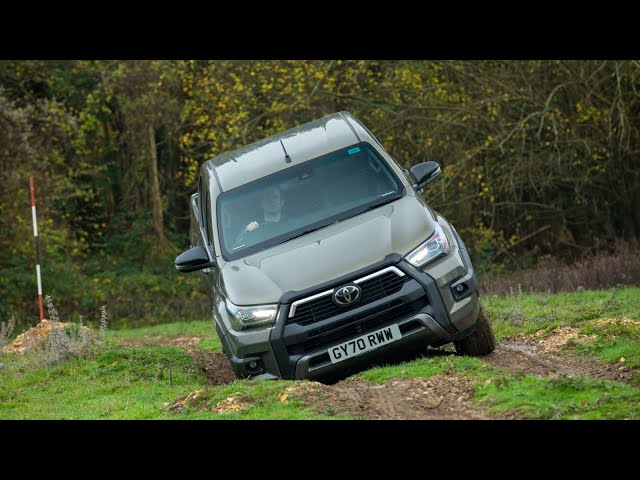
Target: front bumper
426,309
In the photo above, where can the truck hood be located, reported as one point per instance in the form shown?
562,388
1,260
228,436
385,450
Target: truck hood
331,252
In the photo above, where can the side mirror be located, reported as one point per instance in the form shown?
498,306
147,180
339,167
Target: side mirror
425,173
195,258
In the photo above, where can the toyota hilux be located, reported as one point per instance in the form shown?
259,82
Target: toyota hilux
320,254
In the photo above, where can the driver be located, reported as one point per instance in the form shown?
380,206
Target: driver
271,202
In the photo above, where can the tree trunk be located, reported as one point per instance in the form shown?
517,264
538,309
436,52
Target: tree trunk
156,200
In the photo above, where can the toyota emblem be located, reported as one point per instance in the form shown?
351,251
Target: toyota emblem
347,295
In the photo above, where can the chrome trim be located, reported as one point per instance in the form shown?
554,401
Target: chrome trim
395,270
294,305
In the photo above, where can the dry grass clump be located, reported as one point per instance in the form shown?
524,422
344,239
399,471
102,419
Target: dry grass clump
51,341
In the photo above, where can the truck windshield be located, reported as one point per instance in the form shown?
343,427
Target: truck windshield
304,198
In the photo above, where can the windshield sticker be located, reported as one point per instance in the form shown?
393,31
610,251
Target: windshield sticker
353,150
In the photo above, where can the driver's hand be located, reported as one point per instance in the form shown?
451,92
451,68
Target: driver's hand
252,226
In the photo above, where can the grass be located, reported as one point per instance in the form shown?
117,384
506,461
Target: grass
132,383
561,398
583,310
526,396
567,308
535,397
147,334
262,400
611,344
152,335
422,367
121,382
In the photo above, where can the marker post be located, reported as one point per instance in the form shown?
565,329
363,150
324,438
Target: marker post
35,237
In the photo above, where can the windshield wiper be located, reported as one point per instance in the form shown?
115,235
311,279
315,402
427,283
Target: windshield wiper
308,230
379,203
366,208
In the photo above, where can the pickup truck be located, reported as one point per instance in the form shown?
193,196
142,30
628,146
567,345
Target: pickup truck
320,254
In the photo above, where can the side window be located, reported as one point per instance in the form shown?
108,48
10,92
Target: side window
201,199
207,218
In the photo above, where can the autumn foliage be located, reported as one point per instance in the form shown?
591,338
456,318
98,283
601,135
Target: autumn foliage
538,157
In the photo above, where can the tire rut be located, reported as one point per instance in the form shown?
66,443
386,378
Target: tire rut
447,396
524,355
442,397
214,365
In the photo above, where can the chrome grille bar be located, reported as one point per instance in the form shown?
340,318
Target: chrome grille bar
297,303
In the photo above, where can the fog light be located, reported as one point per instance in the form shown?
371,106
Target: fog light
252,365
459,290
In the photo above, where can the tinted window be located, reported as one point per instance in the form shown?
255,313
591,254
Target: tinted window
207,217
201,198
304,197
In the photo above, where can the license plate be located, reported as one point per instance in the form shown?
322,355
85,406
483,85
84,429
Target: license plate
365,343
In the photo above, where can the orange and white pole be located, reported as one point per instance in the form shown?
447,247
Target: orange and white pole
35,236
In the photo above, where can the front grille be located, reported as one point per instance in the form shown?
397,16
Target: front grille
373,289
383,314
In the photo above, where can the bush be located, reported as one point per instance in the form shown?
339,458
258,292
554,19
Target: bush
602,270
6,330
137,296
52,342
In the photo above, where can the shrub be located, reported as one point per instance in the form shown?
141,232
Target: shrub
63,341
6,330
603,270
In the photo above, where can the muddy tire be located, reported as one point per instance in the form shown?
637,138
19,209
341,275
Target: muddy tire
481,341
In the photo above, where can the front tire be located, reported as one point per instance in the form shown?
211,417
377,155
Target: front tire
481,341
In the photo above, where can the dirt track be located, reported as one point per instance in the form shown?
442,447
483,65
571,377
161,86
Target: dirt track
450,396
441,397
444,396
525,356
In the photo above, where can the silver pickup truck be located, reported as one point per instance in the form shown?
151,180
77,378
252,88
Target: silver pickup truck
320,255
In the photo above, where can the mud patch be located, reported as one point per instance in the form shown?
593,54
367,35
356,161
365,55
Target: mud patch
606,322
179,405
559,338
233,403
301,389
185,342
441,397
530,355
214,365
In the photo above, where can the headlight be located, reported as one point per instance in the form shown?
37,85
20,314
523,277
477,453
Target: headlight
436,246
247,317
